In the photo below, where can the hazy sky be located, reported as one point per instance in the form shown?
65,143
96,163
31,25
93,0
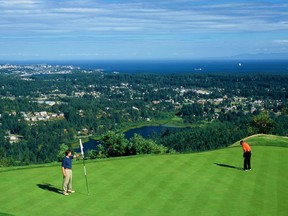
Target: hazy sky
138,29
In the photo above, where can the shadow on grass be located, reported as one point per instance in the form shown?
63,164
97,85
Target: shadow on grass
5,214
228,166
50,188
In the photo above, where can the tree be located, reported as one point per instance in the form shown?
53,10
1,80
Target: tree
114,144
61,152
101,152
139,145
262,123
92,154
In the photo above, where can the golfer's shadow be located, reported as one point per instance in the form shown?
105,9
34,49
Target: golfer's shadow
49,187
228,166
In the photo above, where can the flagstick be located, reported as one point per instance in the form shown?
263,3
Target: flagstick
82,152
85,176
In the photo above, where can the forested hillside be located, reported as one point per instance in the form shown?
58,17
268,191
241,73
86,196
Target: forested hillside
39,112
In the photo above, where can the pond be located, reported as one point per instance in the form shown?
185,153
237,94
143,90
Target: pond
145,132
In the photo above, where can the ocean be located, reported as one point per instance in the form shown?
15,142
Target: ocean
187,66
177,66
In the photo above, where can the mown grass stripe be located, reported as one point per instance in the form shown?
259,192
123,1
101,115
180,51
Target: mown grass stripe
184,184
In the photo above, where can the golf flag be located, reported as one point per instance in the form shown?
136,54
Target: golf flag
82,153
81,148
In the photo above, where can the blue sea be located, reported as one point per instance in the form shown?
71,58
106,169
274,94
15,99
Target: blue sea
187,66
177,66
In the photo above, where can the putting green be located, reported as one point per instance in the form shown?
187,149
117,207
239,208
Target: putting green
208,183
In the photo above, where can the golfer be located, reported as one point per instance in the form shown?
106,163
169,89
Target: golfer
67,172
246,154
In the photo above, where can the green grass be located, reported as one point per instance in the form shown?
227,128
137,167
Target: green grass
265,140
208,183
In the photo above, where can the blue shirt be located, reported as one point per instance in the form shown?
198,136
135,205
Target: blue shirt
67,162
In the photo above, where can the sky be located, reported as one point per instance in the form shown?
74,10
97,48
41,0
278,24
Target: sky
141,29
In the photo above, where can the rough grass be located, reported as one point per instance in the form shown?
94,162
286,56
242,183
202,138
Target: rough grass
208,183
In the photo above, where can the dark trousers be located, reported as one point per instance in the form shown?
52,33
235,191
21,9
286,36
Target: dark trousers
247,158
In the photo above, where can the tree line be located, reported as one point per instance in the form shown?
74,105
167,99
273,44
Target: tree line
107,102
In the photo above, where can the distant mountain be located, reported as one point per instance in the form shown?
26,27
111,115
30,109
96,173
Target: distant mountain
272,56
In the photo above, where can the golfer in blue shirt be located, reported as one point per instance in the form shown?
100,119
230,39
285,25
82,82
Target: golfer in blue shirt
67,172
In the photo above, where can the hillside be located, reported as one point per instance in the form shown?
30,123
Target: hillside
38,113
265,140
207,183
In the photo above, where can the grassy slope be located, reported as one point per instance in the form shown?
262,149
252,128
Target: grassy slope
186,184
265,140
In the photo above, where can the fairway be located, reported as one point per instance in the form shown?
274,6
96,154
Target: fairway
208,183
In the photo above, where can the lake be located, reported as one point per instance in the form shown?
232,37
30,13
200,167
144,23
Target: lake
145,132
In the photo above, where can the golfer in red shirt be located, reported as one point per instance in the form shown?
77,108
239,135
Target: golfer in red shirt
246,154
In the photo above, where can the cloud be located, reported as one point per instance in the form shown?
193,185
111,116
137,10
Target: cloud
138,24
87,17
281,41
17,2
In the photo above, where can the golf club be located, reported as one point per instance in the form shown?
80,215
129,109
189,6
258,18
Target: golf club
241,163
